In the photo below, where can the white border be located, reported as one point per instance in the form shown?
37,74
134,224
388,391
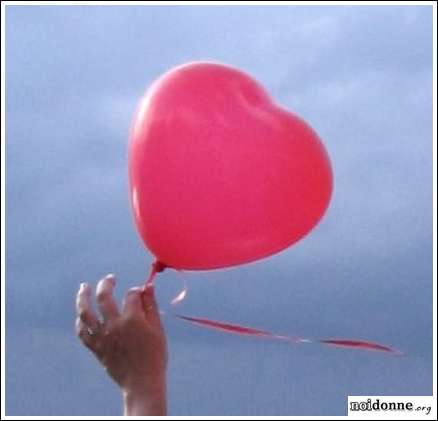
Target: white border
208,3
218,3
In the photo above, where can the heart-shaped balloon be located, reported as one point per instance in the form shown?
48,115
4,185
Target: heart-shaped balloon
220,174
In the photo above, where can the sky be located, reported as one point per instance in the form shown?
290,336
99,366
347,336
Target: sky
360,76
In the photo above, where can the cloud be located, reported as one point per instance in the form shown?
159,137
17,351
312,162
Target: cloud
250,377
360,76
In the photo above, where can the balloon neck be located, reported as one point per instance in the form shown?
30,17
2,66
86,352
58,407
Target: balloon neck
159,266
156,267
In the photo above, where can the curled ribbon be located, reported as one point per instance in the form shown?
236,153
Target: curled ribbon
237,329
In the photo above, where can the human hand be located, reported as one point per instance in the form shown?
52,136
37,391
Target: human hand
130,343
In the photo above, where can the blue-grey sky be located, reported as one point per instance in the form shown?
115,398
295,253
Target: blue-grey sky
361,76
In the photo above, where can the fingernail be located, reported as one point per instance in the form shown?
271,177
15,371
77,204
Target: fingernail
82,286
111,277
135,290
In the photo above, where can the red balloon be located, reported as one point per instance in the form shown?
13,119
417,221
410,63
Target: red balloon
220,174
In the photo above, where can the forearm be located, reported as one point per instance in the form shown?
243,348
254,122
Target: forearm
144,401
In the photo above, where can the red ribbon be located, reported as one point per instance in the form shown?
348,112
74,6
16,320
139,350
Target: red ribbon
250,331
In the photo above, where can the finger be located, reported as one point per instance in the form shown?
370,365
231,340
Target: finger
132,304
104,297
150,306
83,334
84,309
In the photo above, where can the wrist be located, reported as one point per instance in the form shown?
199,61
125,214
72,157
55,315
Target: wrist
146,399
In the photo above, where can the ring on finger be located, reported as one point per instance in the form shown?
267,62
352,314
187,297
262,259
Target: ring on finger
94,331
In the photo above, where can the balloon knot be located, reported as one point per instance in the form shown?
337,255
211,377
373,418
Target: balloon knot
159,266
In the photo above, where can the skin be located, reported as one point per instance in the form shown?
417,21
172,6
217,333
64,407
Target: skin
129,342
